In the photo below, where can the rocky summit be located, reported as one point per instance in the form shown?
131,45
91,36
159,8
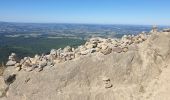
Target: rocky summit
130,68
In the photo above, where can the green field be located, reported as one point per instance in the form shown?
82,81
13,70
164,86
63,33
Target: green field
33,45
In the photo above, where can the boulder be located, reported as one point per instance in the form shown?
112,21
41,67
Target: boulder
88,51
52,52
11,63
36,59
67,49
42,64
91,45
125,49
97,49
106,51
143,36
104,47
12,57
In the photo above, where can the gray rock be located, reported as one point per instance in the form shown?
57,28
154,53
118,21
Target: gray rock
89,51
41,65
117,49
106,51
11,63
108,85
67,49
53,52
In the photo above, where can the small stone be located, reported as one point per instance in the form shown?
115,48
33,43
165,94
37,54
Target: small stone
105,79
106,51
87,51
108,85
42,64
27,80
17,65
117,50
104,47
13,54
39,69
18,68
11,63
125,49
67,49
28,69
140,39
26,64
92,45
97,49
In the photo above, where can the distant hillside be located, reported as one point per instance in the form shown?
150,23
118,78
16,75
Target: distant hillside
31,46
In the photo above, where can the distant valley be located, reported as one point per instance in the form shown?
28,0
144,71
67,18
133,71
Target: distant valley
28,39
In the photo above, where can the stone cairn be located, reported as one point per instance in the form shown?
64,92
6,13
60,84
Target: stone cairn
166,30
107,82
12,60
154,29
104,46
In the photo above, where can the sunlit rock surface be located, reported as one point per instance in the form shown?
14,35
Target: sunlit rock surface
102,69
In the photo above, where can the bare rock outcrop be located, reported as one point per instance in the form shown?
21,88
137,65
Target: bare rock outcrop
102,69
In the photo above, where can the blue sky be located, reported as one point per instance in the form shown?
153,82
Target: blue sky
86,11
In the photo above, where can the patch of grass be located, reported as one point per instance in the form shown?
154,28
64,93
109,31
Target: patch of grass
2,68
30,46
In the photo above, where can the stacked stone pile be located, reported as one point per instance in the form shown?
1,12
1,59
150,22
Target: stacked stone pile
12,60
107,83
101,45
166,30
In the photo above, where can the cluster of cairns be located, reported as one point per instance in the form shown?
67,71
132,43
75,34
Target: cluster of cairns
104,46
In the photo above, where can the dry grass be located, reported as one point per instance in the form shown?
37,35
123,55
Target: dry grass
2,68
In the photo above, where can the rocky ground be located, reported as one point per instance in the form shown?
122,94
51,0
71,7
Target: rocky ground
131,68
1,70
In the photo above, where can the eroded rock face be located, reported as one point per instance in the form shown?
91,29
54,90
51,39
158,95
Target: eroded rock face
118,70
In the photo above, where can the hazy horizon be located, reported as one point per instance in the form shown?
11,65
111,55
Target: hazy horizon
81,23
